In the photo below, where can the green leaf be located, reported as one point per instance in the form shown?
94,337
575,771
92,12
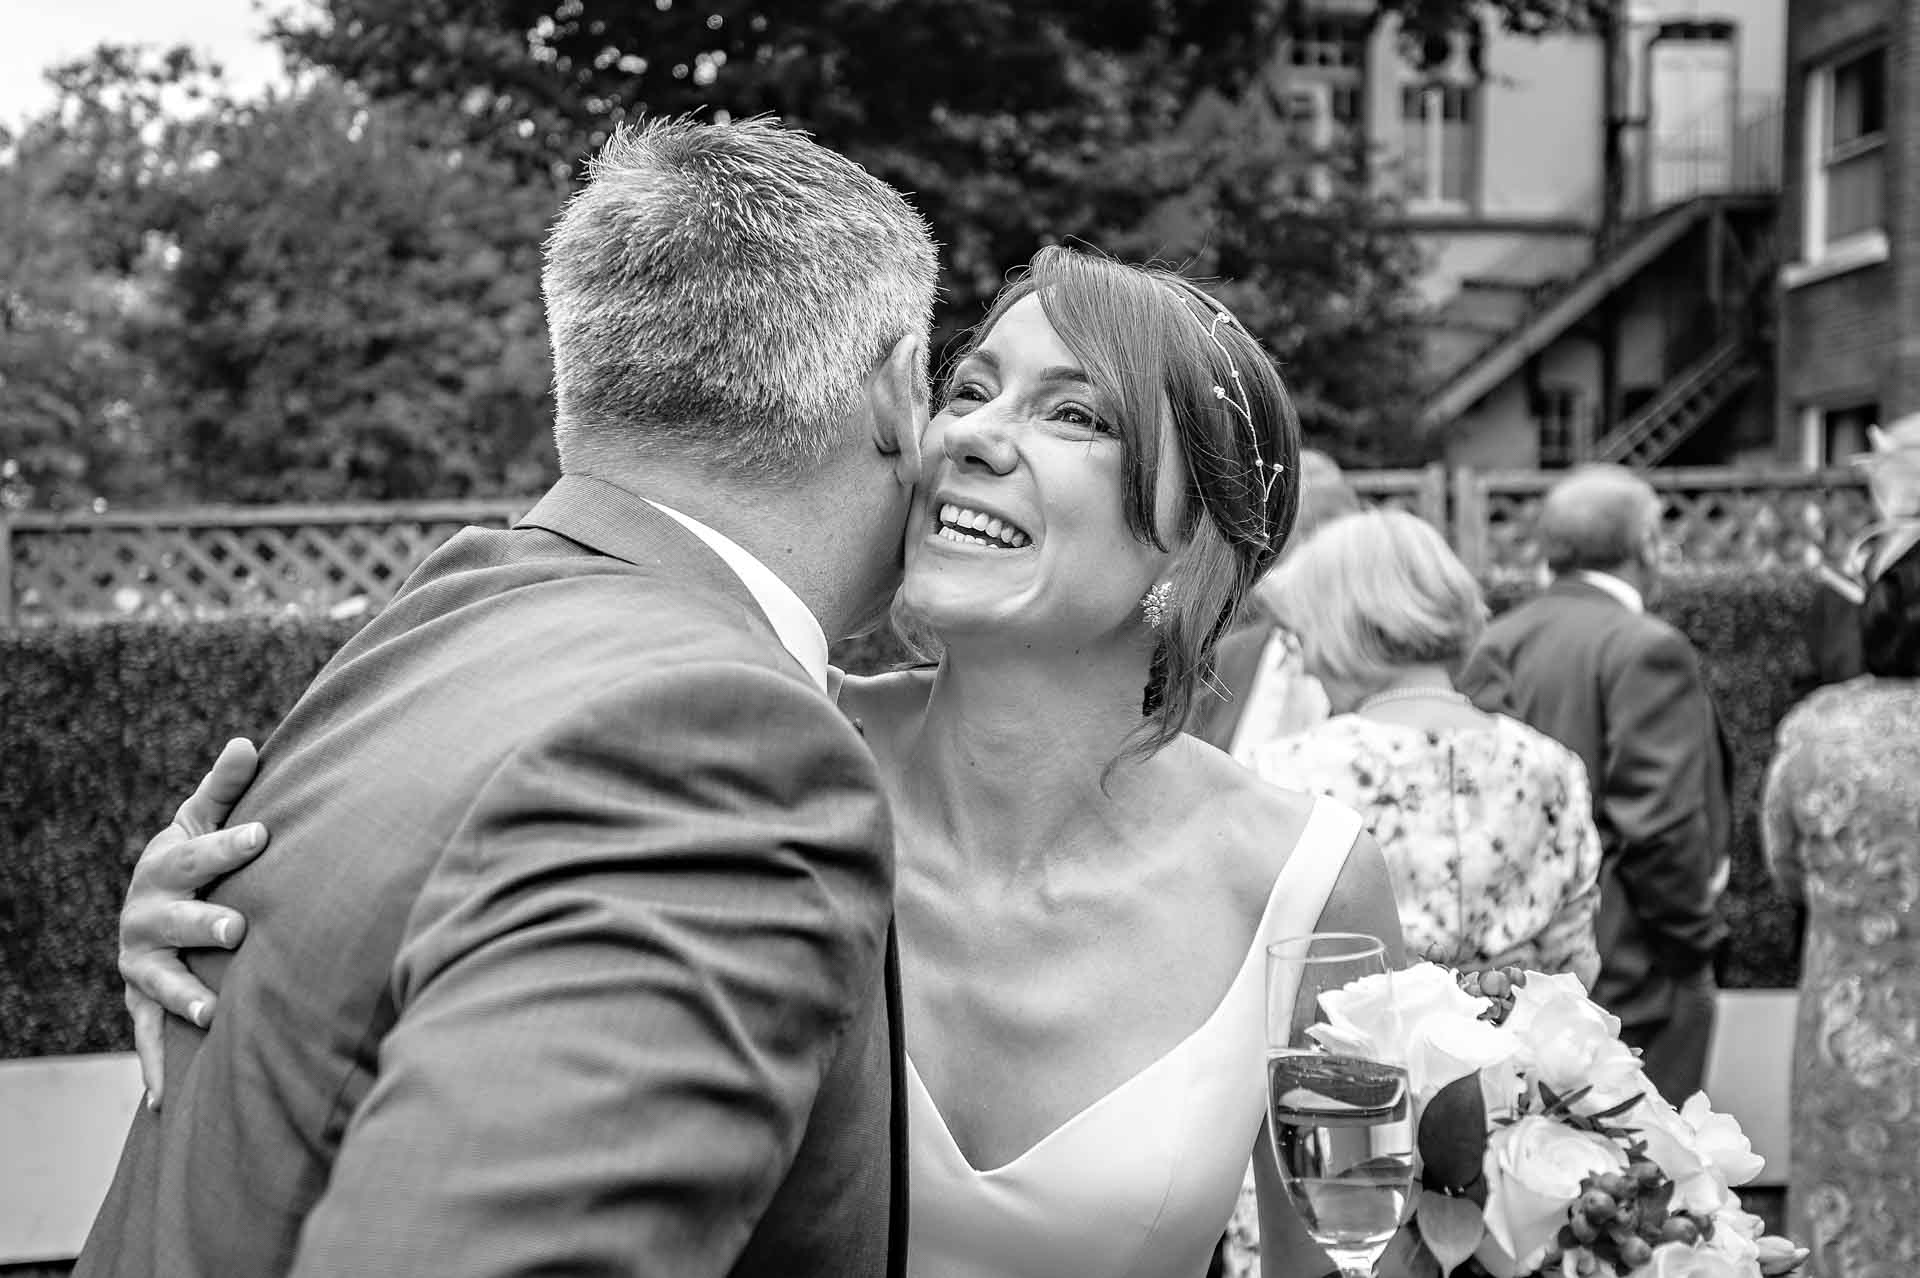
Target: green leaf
1453,1140
1451,1227
1614,1111
1407,1256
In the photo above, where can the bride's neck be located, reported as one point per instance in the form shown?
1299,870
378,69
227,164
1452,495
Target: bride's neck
1013,749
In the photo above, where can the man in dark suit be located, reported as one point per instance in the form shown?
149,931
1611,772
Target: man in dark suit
1587,665
572,952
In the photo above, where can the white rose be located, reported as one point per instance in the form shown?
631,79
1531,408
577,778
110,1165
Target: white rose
1721,1142
1419,1019
1534,1168
1568,1042
1673,1144
1736,1237
1678,1260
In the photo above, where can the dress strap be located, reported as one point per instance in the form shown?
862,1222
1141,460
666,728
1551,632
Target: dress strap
1305,882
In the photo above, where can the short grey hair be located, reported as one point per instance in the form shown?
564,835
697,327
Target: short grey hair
723,291
1375,591
1596,518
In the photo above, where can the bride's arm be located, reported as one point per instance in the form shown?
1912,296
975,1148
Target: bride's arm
1361,901
162,914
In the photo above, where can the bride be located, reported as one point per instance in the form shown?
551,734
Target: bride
1084,892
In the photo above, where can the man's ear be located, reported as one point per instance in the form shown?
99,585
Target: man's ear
897,394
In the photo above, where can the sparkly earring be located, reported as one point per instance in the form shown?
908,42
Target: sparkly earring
1156,606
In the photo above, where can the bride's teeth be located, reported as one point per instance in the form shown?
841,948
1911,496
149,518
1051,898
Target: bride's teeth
978,519
995,528
948,513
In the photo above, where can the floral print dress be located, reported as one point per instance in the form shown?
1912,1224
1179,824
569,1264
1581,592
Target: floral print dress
1488,834
1841,830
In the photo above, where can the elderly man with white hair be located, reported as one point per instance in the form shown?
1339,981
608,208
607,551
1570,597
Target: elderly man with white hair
1585,663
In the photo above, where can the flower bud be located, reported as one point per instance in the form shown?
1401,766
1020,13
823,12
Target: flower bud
1681,1230
1778,1256
1599,1206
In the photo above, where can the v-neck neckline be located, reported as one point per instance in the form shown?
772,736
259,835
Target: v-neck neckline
1255,950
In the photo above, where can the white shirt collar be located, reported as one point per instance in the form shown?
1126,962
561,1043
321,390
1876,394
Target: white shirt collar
1621,590
798,629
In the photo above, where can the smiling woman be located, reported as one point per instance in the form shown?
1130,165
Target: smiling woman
1090,380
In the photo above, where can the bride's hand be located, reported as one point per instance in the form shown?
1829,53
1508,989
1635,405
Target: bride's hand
163,916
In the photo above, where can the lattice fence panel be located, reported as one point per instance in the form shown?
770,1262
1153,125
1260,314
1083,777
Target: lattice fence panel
95,571
1765,524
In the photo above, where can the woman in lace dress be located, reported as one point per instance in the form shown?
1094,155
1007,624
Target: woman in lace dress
1486,824
1842,834
1084,892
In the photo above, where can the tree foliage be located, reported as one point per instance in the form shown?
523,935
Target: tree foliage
332,292
310,296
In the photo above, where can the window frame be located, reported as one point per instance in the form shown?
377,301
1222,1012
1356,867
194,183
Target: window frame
1820,254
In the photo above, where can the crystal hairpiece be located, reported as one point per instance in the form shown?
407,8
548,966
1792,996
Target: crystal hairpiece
1240,402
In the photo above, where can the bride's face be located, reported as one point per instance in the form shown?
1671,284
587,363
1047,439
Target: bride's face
1018,525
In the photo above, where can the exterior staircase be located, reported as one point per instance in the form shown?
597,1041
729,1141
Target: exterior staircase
1687,402
1552,309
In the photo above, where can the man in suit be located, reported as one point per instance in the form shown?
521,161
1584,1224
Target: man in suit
1260,690
572,952
1585,663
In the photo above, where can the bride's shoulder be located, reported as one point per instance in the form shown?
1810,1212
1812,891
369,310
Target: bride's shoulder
1256,823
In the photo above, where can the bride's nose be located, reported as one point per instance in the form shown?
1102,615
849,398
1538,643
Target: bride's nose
981,440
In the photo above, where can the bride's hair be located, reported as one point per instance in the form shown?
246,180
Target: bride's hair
1161,353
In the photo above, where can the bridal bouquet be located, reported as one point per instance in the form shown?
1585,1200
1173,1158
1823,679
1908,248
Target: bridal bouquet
1541,1147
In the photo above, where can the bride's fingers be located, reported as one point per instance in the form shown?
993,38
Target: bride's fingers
160,976
188,866
148,1020
220,788
190,925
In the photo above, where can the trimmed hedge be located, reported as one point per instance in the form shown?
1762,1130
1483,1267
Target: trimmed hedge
103,729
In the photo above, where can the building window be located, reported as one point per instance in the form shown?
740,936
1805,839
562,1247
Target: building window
1440,134
1559,413
1843,433
1321,96
1846,153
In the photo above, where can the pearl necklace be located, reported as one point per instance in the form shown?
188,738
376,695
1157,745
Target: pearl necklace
1416,692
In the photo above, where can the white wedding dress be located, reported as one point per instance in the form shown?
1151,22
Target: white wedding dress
1140,1183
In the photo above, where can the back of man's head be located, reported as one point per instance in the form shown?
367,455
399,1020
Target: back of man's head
717,295
1597,518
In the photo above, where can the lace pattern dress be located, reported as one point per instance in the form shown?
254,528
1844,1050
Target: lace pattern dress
1841,830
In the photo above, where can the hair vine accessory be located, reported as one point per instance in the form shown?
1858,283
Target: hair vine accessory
1156,606
1268,473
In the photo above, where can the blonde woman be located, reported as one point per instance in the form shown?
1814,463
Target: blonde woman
1486,823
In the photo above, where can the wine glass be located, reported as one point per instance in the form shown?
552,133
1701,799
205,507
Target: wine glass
1342,1122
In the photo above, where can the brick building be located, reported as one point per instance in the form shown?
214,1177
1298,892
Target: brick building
1849,326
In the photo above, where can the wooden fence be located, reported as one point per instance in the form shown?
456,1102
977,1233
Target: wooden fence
342,560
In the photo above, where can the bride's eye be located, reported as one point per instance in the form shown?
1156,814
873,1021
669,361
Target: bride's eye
965,392
1085,418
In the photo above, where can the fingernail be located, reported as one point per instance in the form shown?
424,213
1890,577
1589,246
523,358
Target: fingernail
221,931
197,1012
152,1104
251,836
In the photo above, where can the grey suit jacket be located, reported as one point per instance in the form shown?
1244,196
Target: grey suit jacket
1624,691
567,953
